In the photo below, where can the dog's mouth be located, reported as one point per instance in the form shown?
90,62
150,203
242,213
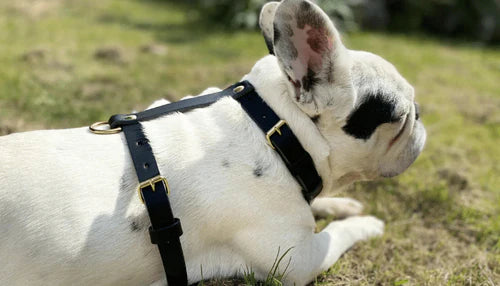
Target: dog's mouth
403,128
399,160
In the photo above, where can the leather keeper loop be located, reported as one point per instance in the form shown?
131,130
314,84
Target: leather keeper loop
119,120
166,234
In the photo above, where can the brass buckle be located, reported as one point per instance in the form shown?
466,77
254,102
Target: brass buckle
276,128
93,128
152,183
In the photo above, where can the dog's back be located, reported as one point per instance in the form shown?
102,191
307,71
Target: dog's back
70,207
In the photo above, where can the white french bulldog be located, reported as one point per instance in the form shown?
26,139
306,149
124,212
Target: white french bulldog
69,210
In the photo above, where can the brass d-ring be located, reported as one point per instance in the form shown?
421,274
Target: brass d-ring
93,128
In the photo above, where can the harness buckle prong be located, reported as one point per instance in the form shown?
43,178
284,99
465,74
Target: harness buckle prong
152,183
274,129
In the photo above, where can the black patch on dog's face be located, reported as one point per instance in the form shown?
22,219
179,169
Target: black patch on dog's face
363,121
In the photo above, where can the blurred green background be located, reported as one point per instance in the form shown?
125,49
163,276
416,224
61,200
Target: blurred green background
466,19
68,63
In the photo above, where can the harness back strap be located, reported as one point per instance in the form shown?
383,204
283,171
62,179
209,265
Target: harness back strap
179,106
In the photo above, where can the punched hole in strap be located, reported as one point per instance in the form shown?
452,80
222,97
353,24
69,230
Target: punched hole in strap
166,234
141,142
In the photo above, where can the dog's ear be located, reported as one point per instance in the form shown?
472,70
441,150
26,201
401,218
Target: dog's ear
266,20
311,54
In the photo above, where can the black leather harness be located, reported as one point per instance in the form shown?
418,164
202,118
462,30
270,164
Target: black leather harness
165,229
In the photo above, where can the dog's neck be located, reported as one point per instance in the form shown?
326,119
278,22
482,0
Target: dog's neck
272,85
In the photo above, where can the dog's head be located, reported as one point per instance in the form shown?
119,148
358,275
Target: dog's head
362,106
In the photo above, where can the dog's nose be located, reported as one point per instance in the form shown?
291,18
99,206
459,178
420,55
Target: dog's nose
417,111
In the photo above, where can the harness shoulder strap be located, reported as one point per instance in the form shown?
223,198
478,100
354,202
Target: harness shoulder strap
282,139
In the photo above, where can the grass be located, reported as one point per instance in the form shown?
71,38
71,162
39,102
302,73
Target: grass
69,63
274,276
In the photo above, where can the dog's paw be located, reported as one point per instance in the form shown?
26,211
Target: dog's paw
338,207
359,227
365,227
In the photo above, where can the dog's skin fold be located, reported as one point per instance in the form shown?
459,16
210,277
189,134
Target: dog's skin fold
69,210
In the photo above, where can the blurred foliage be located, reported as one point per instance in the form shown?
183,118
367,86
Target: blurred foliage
473,19
233,14
245,13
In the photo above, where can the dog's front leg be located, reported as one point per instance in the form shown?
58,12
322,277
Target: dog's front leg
310,254
337,207
320,251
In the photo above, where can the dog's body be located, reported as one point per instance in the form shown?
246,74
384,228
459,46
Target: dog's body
70,214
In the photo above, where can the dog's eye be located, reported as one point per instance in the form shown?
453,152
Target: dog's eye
370,114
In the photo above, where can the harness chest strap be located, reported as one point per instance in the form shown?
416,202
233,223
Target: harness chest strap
165,229
153,189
